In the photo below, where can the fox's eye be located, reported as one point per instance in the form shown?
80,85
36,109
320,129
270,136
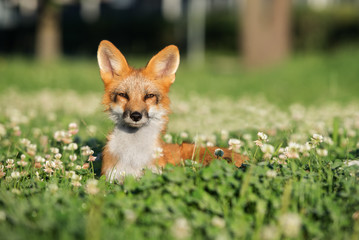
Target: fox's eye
149,96
124,95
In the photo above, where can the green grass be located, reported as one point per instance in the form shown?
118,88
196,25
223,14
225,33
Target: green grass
285,190
310,197
305,78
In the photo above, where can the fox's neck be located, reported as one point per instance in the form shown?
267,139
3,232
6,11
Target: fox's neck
134,148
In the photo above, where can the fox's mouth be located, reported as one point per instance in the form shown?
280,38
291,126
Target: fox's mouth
135,124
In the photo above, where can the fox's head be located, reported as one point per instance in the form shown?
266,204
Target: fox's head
137,97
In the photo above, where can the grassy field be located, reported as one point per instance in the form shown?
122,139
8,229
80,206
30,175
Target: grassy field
298,122
307,78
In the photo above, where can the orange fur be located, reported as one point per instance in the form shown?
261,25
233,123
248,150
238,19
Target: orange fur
138,102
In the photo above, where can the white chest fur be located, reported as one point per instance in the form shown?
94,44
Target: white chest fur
133,150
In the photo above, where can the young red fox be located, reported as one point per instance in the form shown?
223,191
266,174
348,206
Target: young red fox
137,101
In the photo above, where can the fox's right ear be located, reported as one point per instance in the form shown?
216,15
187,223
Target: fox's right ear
111,62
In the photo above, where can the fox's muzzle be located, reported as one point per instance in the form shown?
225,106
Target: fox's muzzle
135,118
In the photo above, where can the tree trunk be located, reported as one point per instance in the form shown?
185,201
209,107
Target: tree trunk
48,36
196,26
265,31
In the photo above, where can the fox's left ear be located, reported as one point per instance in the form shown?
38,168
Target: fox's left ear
165,63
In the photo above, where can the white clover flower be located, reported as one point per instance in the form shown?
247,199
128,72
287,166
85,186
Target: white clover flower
76,184
58,156
17,130
224,135
352,162
157,153
36,132
92,129
73,157
305,148
271,173
69,174
37,174
218,222
72,146
73,128
85,166
16,191
31,149
2,215
344,142
262,136
247,137
91,158
15,174
168,138
200,139
54,150
49,166
10,163
22,163
351,133
130,215
78,167
39,159
267,148
75,180
53,188
91,187
290,224
67,138
234,144
75,177
86,151
58,164
184,135
181,229
25,141
58,135
269,232
2,130
316,139
292,151
212,139
322,152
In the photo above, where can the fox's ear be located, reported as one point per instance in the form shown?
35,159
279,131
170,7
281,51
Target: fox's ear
111,61
165,63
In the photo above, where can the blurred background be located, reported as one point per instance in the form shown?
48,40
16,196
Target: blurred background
287,51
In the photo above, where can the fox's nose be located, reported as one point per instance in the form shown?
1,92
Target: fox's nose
136,116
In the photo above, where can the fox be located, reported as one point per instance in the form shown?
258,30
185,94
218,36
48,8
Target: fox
137,101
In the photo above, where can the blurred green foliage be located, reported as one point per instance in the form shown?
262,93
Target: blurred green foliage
326,28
